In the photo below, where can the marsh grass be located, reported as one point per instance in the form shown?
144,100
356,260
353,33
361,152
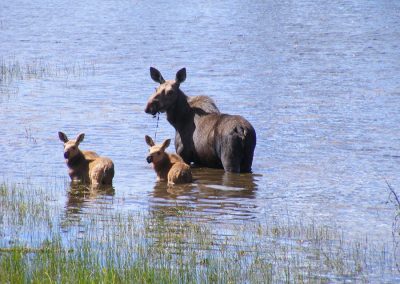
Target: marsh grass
29,135
394,197
117,246
13,69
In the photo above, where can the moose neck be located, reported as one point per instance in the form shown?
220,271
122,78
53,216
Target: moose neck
163,166
76,161
180,112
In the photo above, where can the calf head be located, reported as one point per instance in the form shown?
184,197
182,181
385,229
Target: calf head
70,146
156,152
166,94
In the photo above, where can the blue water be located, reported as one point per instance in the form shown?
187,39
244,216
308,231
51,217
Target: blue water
318,80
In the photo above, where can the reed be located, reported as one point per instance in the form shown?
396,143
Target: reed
12,69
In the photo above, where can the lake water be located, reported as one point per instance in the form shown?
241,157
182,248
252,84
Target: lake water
319,81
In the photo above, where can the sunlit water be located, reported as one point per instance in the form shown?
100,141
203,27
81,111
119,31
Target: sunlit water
319,81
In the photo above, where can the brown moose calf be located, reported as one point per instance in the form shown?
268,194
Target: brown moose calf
86,166
168,167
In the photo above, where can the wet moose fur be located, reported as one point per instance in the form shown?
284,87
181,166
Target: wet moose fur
86,166
203,134
168,167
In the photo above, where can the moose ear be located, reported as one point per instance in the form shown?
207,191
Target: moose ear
181,76
156,75
80,137
149,141
165,144
63,137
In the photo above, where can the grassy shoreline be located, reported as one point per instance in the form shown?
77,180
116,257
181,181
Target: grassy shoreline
154,248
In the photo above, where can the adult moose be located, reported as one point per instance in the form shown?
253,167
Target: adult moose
203,134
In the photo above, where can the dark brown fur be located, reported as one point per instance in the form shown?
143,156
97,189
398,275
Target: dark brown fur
203,135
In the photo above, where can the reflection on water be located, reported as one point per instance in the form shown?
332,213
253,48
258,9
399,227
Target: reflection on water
79,194
165,191
218,179
213,194
81,197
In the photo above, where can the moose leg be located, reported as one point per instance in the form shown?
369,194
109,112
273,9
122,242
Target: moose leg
96,174
95,178
231,153
247,160
108,177
249,144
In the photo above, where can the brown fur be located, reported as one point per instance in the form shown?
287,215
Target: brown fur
86,166
168,167
203,135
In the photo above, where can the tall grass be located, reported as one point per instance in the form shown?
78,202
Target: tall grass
117,246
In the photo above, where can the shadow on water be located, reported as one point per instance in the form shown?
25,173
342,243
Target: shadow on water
213,193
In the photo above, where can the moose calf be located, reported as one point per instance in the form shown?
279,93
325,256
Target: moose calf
86,166
169,167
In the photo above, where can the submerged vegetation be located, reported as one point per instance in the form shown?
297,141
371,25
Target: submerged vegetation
42,241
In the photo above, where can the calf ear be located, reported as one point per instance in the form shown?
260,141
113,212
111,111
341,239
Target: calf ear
80,137
149,141
165,144
156,75
63,137
180,76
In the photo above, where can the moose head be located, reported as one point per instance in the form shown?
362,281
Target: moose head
71,146
156,152
167,92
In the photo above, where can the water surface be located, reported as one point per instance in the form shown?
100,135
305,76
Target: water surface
318,80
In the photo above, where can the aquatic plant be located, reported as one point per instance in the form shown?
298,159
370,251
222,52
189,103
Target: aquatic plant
13,69
395,199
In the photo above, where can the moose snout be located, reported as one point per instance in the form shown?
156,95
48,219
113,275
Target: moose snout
149,159
151,108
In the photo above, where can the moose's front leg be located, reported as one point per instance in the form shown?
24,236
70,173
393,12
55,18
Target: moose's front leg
181,150
179,145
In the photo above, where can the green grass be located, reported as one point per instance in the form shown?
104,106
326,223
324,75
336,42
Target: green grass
117,246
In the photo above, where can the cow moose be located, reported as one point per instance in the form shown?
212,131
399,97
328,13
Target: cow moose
203,136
